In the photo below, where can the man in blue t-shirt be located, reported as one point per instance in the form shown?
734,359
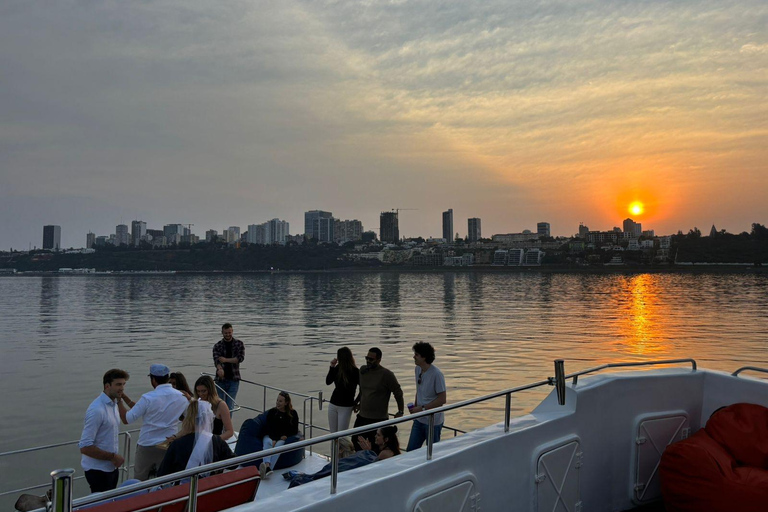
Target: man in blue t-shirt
430,394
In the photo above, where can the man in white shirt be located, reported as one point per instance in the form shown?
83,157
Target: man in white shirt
98,443
160,410
430,394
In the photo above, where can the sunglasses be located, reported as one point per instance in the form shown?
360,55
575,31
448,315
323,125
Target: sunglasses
370,358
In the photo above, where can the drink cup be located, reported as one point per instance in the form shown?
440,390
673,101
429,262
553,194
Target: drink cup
410,406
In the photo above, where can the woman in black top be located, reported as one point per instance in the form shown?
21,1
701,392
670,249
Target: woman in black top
346,377
205,389
282,423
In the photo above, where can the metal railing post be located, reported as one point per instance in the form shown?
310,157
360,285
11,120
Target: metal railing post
430,436
192,505
127,458
334,464
560,380
320,399
507,412
62,490
311,418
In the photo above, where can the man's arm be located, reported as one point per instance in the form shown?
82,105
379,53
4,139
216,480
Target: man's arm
93,421
97,453
137,411
437,402
396,390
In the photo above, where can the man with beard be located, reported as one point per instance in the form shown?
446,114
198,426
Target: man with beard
377,384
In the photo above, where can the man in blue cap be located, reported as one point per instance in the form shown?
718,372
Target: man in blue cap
160,410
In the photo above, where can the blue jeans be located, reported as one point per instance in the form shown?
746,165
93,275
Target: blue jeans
231,387
419,434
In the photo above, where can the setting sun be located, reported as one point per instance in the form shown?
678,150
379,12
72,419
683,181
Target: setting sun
636,208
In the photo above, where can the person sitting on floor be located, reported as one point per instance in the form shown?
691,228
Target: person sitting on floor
205,389
282,422
348,459
386,442
195,444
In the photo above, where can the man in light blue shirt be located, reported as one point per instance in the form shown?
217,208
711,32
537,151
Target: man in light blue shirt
430,394
160,410
98,443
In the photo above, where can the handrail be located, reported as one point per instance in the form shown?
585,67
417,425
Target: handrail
751,368
333,437
575,376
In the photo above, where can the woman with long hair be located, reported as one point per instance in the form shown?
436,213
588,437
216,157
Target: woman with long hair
345,377
282,423
386,441
195,444
179,382
205,389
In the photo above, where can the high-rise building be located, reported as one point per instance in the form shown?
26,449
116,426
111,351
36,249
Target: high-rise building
233,234
274,231
121,235
473,230
171,230
211,235
52,237
389,231
90,240
583,230
324,229
635,229
542,229
448,225
347,230
138,230
311,224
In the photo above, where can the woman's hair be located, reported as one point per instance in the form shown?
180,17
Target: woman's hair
288,405
346,364
181,382
213,397
346,448
390,439
190,418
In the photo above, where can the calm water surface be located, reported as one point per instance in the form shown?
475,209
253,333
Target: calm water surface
491,330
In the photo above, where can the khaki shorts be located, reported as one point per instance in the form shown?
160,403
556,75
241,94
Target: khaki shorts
148,459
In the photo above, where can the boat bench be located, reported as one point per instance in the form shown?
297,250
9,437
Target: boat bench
214,493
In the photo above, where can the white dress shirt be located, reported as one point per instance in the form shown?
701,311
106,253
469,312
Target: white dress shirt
102,424
160,409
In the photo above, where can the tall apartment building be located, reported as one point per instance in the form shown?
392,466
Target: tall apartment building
312,224
52,237
232,234
271,232
138,231
635,229
389,231
121,235
347,230
448,225
542,229
90,240
211,235
473,230
583,230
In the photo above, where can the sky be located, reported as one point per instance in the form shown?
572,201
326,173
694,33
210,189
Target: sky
232,113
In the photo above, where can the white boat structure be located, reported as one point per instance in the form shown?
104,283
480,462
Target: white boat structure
594,444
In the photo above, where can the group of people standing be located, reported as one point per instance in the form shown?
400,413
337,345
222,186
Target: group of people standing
184,428
376,386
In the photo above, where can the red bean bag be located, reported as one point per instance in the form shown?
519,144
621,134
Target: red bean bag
722,467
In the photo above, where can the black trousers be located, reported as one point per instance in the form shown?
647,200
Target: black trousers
101,481
361,421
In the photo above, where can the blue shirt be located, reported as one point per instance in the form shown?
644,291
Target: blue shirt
102,424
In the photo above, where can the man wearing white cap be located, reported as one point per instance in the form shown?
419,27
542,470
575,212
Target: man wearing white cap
160,410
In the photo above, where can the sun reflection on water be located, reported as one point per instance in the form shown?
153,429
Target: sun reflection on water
642,322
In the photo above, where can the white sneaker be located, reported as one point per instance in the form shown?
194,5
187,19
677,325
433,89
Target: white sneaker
263,470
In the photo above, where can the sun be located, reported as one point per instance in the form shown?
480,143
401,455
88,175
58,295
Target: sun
636,208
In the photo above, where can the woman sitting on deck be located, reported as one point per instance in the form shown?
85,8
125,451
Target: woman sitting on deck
195,444
386,441
222,423
282,422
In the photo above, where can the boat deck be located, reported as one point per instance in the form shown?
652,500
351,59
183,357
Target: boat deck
275,483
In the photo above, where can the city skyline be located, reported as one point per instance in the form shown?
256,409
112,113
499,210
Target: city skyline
514,113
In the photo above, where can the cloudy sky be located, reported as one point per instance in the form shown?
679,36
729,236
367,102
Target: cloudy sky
233,113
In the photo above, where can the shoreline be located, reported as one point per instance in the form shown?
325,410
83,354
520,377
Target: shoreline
485,269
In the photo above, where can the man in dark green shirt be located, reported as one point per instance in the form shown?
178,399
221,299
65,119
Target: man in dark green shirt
377,384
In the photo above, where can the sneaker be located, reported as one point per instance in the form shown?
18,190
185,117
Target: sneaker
269,472
263,470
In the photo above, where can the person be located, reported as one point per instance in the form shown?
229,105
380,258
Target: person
282,422
228,353
178,381
98,444
345,377
377,384
222,422
348,459
195,444
386,442
160,410
430,394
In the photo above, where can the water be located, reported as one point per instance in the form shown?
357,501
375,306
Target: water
491,330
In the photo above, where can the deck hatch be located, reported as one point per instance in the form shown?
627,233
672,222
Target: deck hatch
557,479
653,436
